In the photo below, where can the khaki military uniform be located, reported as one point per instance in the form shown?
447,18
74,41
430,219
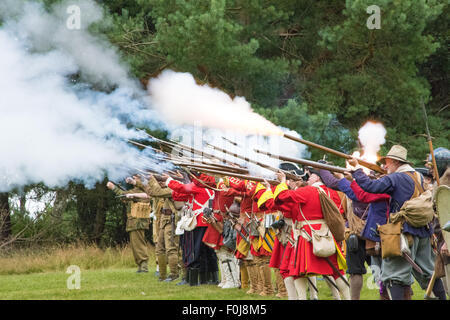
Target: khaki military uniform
138,220
168,242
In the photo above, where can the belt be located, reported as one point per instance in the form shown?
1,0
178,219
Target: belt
166,212
300,232
300,224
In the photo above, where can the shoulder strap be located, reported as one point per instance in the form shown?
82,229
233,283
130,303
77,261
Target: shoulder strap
418,190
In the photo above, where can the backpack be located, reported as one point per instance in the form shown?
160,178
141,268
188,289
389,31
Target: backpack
332,216
418,211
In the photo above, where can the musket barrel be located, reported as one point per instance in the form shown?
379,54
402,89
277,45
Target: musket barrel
305,162
237,175
265,166
364,163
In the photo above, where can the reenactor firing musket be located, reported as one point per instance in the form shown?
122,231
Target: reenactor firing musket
364,163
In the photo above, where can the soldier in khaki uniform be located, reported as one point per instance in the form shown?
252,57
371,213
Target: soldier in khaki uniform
165,208
138,220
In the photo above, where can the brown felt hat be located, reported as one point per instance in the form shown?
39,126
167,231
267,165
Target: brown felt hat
398,153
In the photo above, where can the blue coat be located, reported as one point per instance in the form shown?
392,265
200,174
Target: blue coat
400,187
376,213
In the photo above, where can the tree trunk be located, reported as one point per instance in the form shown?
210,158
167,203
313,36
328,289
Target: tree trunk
5,217
100,216
23,201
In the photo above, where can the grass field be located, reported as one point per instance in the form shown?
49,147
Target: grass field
111,274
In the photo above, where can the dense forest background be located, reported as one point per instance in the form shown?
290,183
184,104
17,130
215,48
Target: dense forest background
308,65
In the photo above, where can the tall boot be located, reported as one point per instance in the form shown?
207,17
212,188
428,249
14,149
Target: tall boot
344,290
162,262
244,276
229,281
290,287
203,277
235,272
222,277
313,294
356,283
281,288
213,277
266,279
301,285
253,275
193,276
173,266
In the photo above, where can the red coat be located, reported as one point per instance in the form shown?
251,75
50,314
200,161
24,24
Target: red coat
280,254
302,260
245,189
222,199
198,197
212,237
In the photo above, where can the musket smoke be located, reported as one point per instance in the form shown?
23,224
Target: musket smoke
372,136
182,101
51,129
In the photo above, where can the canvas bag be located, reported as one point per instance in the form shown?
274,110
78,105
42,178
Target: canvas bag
322,240
418,211
332,216
390,235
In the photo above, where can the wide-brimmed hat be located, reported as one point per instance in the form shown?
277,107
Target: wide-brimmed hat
398,153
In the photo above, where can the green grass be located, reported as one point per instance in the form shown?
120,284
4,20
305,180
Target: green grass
110,274
124,283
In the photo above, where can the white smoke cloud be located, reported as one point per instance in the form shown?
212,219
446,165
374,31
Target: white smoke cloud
98,61
182,101
51,130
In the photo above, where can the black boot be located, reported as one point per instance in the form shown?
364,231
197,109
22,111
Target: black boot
213,278
203,277
193,276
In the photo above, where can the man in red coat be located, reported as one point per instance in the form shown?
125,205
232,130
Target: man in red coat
200,260
305,205
257,259
214,237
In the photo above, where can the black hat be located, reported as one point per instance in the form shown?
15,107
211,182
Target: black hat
294,169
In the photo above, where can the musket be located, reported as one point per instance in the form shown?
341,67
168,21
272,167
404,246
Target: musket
237,175
211,167
436,175
160,153
364,163
265,166
174,145
234,222
430,144
304,162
